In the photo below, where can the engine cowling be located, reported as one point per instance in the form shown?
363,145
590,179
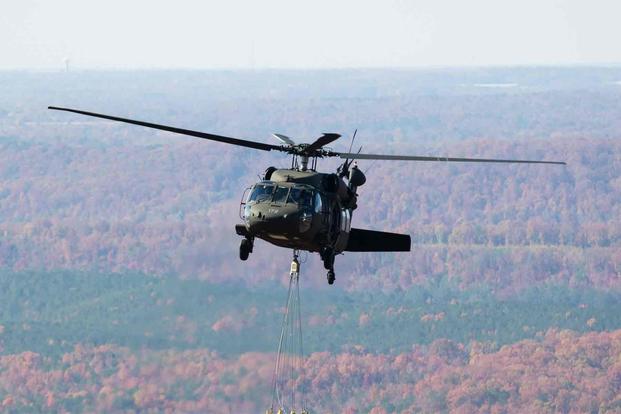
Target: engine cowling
330,183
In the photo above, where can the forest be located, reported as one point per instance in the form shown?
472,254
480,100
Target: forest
51,312
559,371
146,210
122,290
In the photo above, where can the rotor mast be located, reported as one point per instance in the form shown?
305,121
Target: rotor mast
304,162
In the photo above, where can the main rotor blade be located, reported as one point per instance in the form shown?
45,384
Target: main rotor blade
325,139
347,155
204,135
284,139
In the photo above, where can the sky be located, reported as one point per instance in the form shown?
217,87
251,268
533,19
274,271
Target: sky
205,34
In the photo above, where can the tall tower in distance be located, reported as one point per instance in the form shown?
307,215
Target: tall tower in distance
66,62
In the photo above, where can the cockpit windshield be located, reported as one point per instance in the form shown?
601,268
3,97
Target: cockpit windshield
302,196
261,192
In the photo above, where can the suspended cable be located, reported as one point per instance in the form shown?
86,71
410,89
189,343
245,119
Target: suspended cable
287,380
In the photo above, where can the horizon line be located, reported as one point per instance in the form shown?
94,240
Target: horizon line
78,69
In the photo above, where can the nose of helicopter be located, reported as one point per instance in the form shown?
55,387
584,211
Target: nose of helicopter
262,218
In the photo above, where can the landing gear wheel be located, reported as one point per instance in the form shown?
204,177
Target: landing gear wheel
244,249
331,277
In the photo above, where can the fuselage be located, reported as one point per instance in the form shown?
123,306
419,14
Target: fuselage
303,210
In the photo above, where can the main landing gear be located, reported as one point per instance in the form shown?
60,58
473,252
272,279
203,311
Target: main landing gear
331,277
245,248
327,255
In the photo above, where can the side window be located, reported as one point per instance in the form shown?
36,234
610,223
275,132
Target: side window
294,196
306,198
300,196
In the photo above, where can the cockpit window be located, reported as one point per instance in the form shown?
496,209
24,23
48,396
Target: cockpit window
261,192
280,195
300,196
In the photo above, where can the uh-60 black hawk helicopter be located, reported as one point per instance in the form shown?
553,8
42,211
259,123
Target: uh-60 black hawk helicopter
302,209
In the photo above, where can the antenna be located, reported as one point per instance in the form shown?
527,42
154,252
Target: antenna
343,170
352,139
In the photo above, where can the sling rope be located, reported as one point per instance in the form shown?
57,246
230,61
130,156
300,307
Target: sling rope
287,380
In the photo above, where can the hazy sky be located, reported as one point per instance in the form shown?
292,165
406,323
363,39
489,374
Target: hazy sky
320,33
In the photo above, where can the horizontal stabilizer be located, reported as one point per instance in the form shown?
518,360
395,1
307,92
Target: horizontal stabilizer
377,241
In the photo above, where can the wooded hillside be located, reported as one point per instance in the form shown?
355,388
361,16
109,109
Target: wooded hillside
122,290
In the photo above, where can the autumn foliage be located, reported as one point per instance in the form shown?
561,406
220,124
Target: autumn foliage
121,291
559,371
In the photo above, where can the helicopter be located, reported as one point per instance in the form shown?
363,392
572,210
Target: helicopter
301,208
